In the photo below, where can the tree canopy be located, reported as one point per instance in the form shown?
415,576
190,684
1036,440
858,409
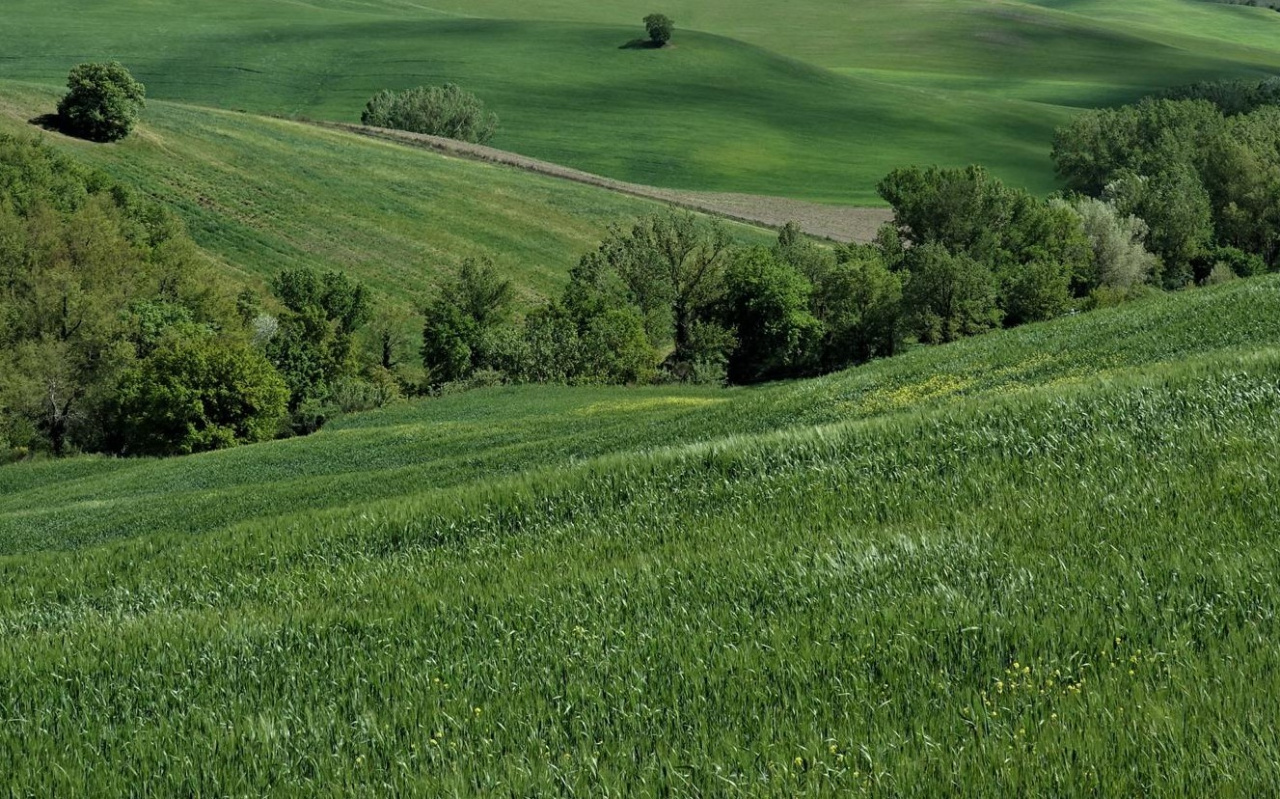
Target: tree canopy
102,102
659,27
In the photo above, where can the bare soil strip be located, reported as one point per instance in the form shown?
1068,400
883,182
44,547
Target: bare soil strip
835,222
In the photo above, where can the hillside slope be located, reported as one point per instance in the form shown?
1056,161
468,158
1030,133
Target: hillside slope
477,436
265,194
817,103
989,569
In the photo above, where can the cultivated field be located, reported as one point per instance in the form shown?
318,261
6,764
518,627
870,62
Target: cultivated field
840,223
817,103
1041,561
1049,575
263,195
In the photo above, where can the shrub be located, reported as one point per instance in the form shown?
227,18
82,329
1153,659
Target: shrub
103,102
434,110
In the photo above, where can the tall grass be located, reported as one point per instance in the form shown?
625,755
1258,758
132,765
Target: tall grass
1065,591
1055,585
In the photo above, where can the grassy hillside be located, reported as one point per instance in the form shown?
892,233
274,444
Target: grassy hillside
264,194
817,103
983,567
479,436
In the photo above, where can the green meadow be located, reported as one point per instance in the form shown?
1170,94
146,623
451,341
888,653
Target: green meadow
1037,562
817,102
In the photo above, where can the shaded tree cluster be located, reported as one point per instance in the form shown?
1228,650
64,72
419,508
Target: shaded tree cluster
1204,182
114,337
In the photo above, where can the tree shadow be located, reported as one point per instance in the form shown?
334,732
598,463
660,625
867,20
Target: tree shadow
641,44
49,122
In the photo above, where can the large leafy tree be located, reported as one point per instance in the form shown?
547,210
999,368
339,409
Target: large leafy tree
766,303
949,296
102,102
313,345
198,393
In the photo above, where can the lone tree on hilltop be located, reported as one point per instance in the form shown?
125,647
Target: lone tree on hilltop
103,102
659,27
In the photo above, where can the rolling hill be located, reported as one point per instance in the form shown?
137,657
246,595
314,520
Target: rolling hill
263,195
1038,561
817,103
1041,561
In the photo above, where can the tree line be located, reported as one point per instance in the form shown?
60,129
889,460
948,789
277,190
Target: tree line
1203,173
119,337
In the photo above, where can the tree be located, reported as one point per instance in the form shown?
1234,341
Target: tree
948,296
766,303
434,110
1176,206
460,319
313,344
859,301
1035,291
616,349
1117,257
103,102
552,349
198,393
659,27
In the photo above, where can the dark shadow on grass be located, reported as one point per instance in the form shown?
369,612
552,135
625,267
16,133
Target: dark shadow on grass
49,122
641,44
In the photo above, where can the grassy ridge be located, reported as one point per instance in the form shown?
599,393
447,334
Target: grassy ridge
1033,594
468,439
818,103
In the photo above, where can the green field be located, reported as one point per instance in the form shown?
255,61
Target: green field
818,102
1037,562
263,195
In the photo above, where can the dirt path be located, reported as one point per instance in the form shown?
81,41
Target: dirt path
835,222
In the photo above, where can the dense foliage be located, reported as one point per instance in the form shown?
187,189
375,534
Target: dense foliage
118,336
193,394
1206,184
672,298
93,283
659,27
435,110
102,102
